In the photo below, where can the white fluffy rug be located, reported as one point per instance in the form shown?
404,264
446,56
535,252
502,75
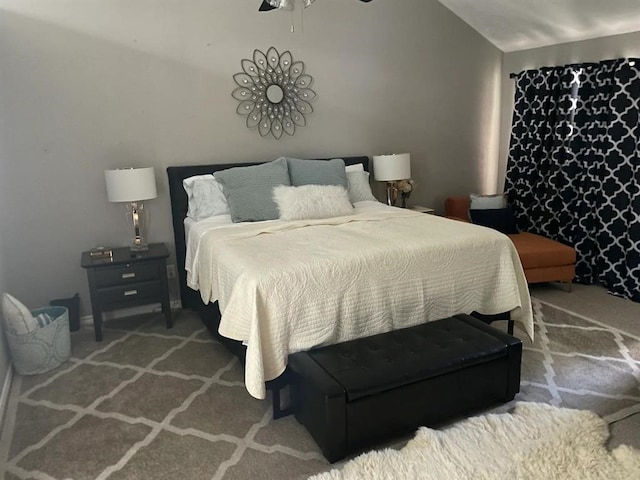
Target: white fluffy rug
535,441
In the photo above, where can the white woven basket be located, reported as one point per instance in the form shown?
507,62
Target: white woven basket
43,349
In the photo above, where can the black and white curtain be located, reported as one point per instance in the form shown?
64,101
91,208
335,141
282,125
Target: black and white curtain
573,172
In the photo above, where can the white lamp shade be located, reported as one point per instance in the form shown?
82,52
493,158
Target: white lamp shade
388,168
130,184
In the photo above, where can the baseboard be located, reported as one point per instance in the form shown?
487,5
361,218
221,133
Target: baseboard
87,320
4,395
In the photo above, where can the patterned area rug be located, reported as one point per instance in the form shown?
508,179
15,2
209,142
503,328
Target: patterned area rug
577,362
154,403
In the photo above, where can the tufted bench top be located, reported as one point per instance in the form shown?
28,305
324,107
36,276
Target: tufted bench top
375,364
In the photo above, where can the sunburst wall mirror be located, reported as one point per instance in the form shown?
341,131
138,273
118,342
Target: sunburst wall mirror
274,93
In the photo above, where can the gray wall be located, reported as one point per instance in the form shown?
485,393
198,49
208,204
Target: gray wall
87,85
5,364
617,46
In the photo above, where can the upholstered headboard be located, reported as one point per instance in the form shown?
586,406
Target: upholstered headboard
180,205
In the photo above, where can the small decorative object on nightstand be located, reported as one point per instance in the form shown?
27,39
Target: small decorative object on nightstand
418,208
405,187
128,279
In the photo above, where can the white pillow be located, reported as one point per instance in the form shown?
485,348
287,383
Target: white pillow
207,199
17,317
358,167
359,187
187,184
312,201
486,202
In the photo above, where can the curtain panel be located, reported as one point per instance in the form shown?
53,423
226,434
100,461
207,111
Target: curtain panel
573,172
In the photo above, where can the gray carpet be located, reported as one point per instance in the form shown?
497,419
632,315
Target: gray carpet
165,404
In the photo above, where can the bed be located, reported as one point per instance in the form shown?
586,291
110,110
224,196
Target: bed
289,286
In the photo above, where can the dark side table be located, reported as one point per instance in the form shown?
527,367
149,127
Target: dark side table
128,279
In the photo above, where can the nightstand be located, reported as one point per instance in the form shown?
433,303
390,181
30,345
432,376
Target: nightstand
126,280
418,208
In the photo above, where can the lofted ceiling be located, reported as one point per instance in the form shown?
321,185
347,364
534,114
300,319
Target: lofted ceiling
513,25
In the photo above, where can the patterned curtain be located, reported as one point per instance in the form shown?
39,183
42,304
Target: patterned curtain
573,172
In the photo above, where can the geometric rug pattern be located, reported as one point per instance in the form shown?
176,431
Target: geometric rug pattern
152,403
577,362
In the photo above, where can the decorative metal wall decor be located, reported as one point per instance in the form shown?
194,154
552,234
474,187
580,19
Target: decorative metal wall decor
274,93
267,5
281,4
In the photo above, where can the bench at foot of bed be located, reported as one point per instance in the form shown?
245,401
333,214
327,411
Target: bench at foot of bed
355,394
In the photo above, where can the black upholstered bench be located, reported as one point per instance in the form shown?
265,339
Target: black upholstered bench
354,394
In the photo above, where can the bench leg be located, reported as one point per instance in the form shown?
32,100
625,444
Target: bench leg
278,410
488,319
282,405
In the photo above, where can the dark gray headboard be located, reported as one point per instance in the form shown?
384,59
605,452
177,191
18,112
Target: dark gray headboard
180,205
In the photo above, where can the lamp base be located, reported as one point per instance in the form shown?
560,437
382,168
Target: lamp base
392,194
139,218
139,247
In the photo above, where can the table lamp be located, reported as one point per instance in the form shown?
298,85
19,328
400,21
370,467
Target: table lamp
390,169
133,185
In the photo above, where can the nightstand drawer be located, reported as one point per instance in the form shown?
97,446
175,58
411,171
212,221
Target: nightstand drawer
123,274
130,293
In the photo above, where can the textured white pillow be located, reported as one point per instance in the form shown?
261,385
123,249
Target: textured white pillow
187,184
207,199
359,187
358,167
17,317
312,201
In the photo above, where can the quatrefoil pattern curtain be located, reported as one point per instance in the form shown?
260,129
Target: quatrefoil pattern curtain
573,172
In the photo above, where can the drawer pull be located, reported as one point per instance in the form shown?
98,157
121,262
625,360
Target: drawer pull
128,293
129,275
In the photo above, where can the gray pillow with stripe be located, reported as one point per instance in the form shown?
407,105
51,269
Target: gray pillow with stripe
44,319
249,190
317,172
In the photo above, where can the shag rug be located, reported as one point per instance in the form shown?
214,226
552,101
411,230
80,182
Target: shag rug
535,441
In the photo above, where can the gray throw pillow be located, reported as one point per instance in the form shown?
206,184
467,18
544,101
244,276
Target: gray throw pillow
249,190
317,172
486,202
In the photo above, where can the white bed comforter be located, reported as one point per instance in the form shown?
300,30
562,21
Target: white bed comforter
284,287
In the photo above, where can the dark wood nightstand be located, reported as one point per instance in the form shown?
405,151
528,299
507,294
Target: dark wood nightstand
126,280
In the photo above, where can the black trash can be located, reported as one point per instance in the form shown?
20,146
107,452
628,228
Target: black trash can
73,305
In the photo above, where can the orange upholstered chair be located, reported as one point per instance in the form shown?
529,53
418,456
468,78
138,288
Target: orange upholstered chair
543,259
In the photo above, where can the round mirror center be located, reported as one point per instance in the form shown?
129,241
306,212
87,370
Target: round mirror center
275,94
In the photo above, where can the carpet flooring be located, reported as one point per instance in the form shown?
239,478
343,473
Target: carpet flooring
148,402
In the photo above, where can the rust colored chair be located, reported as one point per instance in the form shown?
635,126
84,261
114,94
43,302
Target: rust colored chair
543,259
